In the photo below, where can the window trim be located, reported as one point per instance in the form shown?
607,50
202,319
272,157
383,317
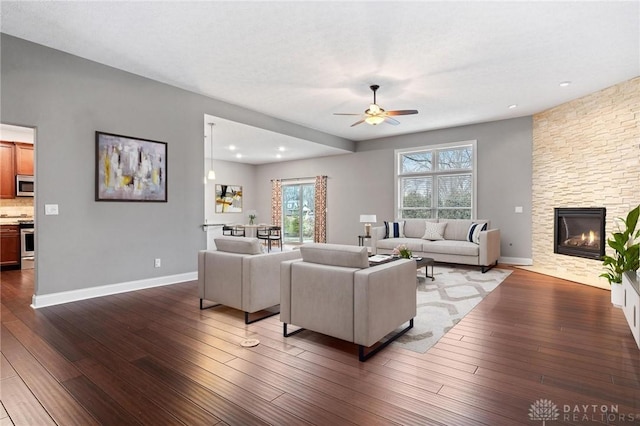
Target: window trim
474,180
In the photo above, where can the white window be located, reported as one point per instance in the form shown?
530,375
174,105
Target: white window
437,181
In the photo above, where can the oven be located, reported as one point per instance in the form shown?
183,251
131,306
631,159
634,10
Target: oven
27,244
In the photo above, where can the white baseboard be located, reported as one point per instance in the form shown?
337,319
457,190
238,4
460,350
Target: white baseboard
515,261
106,290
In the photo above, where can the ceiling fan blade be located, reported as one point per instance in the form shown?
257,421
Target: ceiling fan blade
345,113
402,112
357,122
391,121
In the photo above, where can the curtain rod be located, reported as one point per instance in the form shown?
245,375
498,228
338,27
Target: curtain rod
300,178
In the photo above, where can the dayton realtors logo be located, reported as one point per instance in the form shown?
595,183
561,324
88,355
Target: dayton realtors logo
545,410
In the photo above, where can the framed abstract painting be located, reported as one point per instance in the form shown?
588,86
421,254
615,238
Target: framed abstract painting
228,198
130,169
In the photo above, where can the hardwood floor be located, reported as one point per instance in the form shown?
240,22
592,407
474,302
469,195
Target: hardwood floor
152,357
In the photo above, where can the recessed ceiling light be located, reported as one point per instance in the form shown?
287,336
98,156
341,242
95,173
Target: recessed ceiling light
232,147
238,155
564,83
278,155
512,106
281,148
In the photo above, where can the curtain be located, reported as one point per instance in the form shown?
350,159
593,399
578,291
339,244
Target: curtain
276,202
320,231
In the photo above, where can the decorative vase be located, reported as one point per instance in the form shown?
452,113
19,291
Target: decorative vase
617,295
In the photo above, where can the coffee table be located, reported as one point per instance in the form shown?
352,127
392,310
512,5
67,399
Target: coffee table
425,262
421,262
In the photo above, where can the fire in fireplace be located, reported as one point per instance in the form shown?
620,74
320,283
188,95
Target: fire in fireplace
580,232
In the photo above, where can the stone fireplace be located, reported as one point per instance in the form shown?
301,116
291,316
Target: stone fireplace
585,153
580,232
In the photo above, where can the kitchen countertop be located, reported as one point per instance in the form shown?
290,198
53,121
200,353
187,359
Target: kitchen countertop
14,220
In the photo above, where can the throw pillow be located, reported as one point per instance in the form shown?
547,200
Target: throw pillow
473,235
394,229
434,231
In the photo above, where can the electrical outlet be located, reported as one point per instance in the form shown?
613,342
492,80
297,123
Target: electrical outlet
158,263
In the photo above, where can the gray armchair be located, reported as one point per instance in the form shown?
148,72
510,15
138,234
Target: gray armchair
239,275
333,291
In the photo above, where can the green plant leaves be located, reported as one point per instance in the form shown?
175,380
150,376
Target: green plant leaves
627,250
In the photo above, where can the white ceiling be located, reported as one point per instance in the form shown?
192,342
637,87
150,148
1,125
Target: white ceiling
12,133
455,62
251,145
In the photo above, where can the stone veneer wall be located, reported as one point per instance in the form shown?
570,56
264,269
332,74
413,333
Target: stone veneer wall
586,153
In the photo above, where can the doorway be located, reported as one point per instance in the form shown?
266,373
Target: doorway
298,200
18,195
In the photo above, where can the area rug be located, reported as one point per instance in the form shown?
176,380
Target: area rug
442,303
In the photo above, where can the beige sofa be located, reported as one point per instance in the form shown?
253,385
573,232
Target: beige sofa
454,247
238,274
333,291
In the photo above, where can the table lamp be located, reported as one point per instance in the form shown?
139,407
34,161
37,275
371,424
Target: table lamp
367,219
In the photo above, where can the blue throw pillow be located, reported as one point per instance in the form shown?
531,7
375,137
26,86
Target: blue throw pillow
473,236
394,229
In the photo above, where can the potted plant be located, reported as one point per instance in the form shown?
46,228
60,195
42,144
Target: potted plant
252,217
626,251
402,251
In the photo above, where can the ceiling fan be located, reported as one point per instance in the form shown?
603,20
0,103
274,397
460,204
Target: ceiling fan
375,115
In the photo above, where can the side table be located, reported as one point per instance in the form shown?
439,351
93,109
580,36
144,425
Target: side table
361,239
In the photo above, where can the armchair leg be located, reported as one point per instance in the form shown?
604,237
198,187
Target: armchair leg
208,307
488,268
284,330
363,357
247,321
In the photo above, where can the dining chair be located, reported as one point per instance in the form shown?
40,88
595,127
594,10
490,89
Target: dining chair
227,230
238,231
270,234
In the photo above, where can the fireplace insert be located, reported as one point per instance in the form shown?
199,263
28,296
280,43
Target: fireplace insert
580,232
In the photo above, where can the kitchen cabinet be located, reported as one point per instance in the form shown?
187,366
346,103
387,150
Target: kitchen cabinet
7,170
9,245
24,158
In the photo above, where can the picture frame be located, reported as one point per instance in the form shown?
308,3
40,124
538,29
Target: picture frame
130,169
228,198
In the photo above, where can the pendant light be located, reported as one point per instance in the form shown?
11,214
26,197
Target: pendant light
211,175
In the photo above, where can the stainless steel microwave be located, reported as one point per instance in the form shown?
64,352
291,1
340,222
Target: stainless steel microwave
24,186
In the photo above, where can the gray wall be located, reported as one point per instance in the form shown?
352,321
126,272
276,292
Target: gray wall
229,173
98,243
363,182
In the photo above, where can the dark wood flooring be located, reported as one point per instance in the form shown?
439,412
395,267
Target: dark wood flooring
152,357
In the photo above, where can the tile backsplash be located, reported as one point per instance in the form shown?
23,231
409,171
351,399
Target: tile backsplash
17,206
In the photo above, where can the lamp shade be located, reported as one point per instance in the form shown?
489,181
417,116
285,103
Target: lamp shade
366,218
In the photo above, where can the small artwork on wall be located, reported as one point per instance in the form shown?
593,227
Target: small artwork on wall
130,169
228,198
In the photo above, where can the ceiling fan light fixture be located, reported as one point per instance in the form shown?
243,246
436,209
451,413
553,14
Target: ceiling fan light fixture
374,120
376,115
